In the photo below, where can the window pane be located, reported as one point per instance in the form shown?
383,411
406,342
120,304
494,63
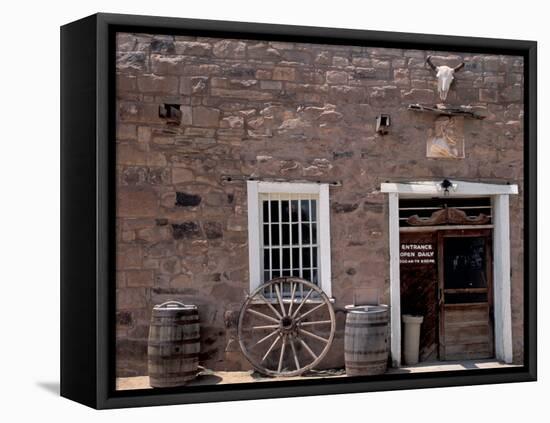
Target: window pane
294,210
280,229
266,211
295,235
274,210
296,258
306,258
266,234
286,273
305,233
286,258
275,259
275,235
284,211
266,259
314,276
314,210
286,234
304,204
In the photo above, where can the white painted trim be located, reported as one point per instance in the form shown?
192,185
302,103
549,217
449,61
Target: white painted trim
254,189
395,281
289,187
325,257
501,277
254,266
459,188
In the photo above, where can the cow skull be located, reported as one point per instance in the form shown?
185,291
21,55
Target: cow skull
445,76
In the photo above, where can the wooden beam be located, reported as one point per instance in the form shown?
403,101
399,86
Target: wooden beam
455,111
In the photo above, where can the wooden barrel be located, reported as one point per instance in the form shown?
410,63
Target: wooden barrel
366,340
173,349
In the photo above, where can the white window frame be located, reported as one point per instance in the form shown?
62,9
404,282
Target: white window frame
254,190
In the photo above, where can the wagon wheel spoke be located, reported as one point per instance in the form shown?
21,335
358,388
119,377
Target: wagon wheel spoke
292,294
307,313
266,302
308,349
264,316
278,293
265,327
296,361
282,355
319,322
270,348
302,302
265,338
312,335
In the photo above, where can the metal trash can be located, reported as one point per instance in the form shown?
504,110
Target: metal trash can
412,337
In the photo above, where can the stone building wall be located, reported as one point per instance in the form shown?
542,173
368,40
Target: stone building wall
290,111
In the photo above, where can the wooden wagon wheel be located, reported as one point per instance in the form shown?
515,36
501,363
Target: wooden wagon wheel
286,327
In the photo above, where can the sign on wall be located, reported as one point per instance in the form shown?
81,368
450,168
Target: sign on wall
417,253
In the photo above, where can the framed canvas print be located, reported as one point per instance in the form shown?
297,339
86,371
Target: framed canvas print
255,211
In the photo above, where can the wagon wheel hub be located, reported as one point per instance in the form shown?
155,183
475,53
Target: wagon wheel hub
286,327
287,324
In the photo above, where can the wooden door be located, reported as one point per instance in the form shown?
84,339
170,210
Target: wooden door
465,295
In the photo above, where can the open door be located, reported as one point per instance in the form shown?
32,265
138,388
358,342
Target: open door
465,295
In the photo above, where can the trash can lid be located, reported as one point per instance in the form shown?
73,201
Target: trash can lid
409,318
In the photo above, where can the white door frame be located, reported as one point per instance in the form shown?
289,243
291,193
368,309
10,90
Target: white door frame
501,253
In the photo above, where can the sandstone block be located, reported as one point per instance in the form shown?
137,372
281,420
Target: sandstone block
192,48
284,74
131,298
186,230
206,116
181,175
213,230
158,84
230,49
136,202
139,278
337,77
184,199
167,65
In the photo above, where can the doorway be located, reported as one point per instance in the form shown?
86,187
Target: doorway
465,285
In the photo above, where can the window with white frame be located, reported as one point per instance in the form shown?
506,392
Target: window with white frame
289,232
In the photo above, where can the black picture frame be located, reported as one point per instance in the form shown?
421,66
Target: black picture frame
88,214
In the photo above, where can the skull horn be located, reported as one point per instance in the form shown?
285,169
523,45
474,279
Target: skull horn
457,68
429,62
